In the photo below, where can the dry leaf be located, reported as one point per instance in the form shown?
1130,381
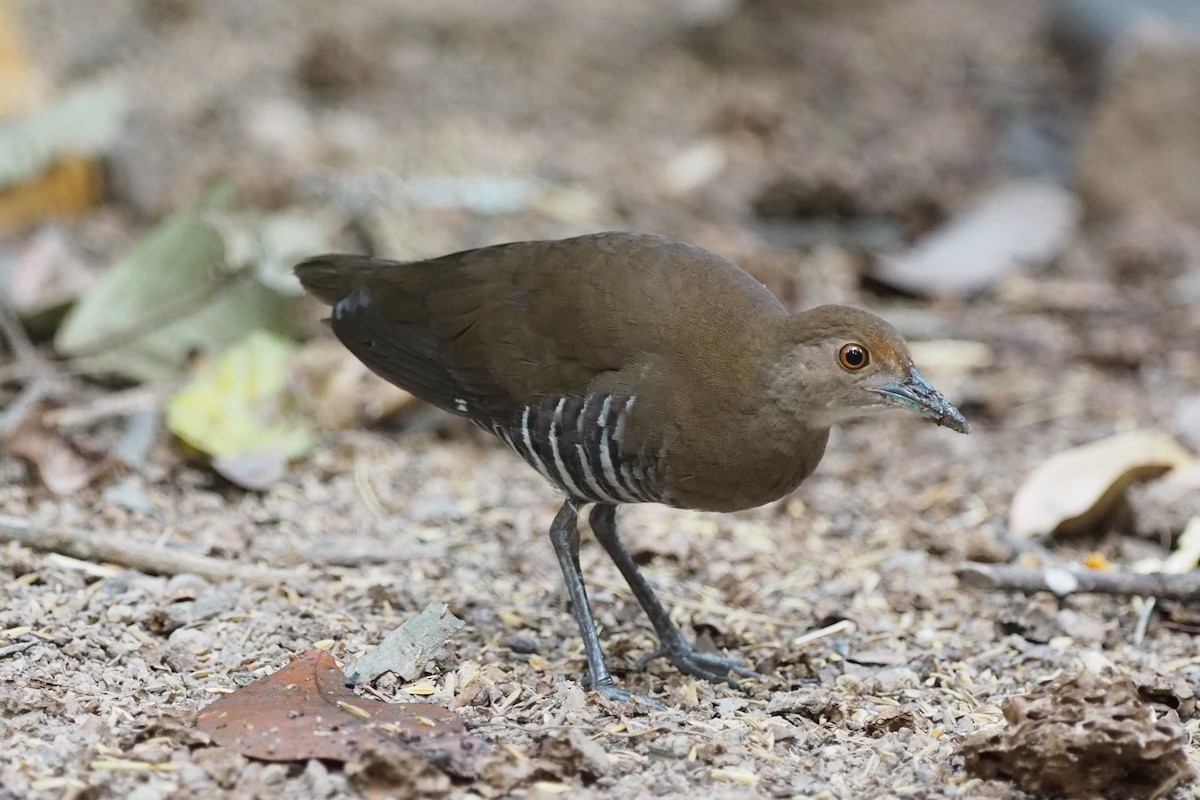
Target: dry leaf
1022,223
406,650
257,470
1084,736
239,411
68,188
305,711
46,274
63,467
1076,489
1186,555
341,390
193,286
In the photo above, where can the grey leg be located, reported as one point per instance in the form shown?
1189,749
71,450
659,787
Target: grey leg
564,535
671,642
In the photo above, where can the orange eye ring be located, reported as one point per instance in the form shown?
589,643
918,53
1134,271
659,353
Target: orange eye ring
854,356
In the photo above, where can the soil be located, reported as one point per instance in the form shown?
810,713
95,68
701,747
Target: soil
734,131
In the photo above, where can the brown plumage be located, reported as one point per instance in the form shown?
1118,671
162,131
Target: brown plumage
624,368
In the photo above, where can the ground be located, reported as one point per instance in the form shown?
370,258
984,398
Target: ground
878,120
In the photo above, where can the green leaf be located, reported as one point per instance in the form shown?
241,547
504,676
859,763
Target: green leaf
86,122
192,287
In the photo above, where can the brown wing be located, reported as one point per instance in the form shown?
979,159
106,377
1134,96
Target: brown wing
497,328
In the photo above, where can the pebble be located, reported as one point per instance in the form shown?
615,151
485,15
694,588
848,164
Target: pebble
521,643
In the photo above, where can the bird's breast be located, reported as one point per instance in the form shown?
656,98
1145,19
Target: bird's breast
731,470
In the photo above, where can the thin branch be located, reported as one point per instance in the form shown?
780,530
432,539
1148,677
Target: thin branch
117,549
1062,581
26,354
14,332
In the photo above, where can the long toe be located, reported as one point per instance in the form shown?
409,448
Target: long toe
710,666
611,691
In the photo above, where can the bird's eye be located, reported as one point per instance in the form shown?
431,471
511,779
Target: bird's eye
853,356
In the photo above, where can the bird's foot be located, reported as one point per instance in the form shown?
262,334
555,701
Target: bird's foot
610,691
710,666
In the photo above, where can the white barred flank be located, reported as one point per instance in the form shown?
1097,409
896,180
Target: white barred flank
575,443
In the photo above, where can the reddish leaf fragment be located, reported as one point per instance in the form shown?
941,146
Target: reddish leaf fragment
306,711
64,467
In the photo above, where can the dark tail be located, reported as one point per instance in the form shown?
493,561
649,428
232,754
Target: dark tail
332,277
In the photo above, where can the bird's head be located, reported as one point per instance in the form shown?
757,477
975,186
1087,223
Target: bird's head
838,362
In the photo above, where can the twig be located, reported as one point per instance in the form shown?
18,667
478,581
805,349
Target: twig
841,626
19,647
14,332
114,404
24,353
1061,581
97,547
1143,620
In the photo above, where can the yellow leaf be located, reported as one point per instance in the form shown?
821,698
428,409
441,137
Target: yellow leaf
240,404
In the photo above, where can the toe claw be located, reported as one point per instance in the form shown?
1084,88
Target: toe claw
610,691
709,666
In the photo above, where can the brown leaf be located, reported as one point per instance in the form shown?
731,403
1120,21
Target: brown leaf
305,711
47,274
63,467
1084,736
67,189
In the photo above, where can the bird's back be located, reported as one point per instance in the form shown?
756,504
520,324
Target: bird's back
495,328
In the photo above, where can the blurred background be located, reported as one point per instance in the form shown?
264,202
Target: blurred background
1015,185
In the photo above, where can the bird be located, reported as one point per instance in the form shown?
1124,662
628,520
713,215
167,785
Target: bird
625,368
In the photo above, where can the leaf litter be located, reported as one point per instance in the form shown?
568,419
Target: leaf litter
406,650
306,710
876,710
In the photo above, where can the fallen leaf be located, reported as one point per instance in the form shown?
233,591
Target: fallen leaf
67,189
1019,224
1186,555
82,123
63,467
1076,489
1083,736
341,390
46,274
406,650
238,409
257,470
195,285
735,775
305,711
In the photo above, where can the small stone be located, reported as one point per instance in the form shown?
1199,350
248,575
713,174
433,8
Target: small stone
895,680
677,746
521,643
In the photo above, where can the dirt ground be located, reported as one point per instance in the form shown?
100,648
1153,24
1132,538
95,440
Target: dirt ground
730,131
